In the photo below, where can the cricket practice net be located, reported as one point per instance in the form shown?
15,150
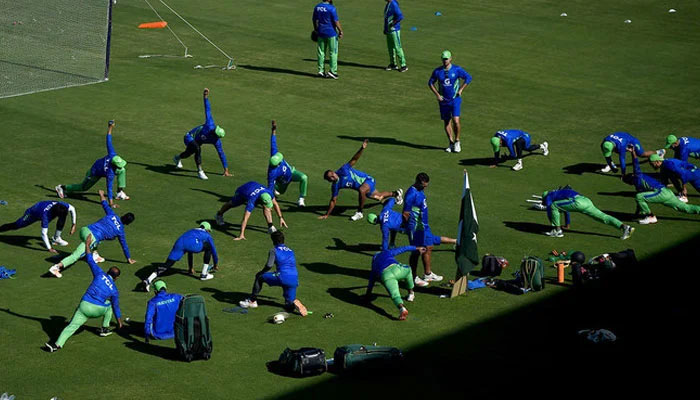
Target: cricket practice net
53,44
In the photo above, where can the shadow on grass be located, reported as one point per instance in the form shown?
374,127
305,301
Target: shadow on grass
52,326
73,196
133,331
278,70
169,169
620,193
632,217
347,295
532,227
390,141
22,241
235,297
349,64
653,332
486,161
590,168
332,269
367,249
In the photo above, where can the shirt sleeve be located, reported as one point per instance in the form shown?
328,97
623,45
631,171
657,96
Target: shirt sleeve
635,163
335,188
270,259
213,250
94,268
125,247
45,218
107,209
208,119
684,153
623,163
272,175
465,75
222,155
110,182
385,237
273,145
509,144
398,16
110,148
334,14
115,304
148,321
433,78
400,250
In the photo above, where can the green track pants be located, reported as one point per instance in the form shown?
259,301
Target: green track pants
329,44
84,312
79,251
666,197
297,176
393,44
90,181
584,206
391,277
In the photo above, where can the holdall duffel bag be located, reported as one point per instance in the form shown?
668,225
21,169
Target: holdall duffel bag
357,357
306,361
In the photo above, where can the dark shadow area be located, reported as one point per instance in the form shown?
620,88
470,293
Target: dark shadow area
74,196
532,227
591,168
539,343
235,297
180,267
52,326
169,169
632,217
367,249
23,241
331,269
134,332
621,193
278,70
486,161
391,141
349,296
342,63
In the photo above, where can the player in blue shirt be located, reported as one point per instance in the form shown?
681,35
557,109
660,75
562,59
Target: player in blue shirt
390,223
196,240
567,200
346,177
108,167
286,276
449,96
415,215
160,313
678,172
328,30
649,190
110,227
392,31
683,146
101,299
280,174
516,141
618,142
207,133
45,211
251,194
390,272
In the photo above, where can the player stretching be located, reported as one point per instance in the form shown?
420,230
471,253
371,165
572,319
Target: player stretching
349,178
207,133
280,174
252,193
618,142
683,146
516,141
106,167
45,211
679,173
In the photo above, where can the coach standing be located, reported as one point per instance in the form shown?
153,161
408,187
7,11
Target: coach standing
327,28
392,30
449,95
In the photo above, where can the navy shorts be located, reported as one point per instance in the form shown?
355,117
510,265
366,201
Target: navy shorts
450,108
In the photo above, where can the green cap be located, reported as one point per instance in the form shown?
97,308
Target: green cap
655,157
276,159
544,194
266,199
496,144
206,225
158,285
118,162
608,148
446,54
220,132
372,218
670,139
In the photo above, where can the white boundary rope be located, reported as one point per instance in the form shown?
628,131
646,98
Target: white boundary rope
186,55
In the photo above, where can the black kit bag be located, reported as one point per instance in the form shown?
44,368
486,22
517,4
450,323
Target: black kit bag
307,361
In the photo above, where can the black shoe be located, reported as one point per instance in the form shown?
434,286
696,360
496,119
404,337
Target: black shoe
331,75
52,347
403,69
390,67
105,332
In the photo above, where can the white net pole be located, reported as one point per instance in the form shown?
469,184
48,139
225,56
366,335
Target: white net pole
187,55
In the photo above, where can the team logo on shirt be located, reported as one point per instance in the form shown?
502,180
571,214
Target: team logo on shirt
321,9
107,282
116,223
447,81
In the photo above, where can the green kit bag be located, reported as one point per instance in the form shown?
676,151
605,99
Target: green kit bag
192,333
354,357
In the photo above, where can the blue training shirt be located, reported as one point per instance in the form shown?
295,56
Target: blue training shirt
102,290
685,171
383,259
160,315
285,261
416,203
206,134
45,211
103,167
643,182
110,227
348,178
510,136
282,173
686,147
448,80
389,220
621,140
252,191
392,17
323,19
193,241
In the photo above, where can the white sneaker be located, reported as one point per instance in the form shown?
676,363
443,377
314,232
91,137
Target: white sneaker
206,277
97,257
420,283
649,219
432,277
301,203
555,233
661,152
59,191
399,196
411,297
457,147
449,148
202,175
122,196
177,161
358,216
627,231
59,241
55,271
248,303
682,198
277,194
219,219
518,166
545,148
146,286
271,230
606,169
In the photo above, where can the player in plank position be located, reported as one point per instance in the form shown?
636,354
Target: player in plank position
617,143
346,177
516,141
45,211
252,193
679,173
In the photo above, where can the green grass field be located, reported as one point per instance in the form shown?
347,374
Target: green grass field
568,80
